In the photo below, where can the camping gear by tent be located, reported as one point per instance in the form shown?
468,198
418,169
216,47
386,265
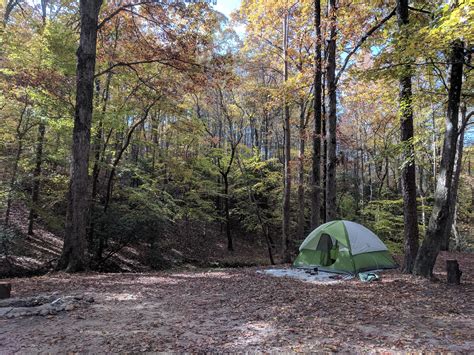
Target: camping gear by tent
344,246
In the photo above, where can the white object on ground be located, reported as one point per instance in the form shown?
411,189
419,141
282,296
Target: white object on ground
305,275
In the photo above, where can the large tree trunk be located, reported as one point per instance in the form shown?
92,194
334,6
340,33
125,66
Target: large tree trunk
316,168
332,118
440,216
73,254
408,179
36,177
286,241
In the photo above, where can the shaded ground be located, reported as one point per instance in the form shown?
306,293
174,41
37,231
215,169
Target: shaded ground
37,254
239,309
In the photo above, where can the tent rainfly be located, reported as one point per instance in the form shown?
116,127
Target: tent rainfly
344,246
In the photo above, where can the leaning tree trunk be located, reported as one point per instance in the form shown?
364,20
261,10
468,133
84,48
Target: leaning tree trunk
286,241
73,254
408,178
316,168
440,216
332,118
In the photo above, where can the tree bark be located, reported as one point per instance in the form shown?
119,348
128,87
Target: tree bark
286,238
301,157
36,177
451,224
440,216
408,178
73,256
317,112
39,150
20,133
332,117
230,243
453,272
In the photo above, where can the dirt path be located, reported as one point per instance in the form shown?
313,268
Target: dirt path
231,310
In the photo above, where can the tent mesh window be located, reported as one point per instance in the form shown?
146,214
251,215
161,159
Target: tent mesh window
325,246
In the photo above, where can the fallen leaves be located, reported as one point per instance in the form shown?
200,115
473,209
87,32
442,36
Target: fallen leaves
231,310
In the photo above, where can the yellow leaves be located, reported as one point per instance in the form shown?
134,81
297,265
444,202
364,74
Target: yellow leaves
452,23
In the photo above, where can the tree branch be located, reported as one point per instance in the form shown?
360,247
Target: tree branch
361,41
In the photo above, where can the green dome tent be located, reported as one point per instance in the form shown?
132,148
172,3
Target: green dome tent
344,246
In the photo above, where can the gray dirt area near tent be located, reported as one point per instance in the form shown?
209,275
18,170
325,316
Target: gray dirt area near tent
307,275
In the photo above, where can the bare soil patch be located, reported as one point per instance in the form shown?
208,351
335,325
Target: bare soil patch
242,310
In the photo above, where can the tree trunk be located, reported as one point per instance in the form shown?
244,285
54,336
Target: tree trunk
19,136
13,181
36,177
324,154
230,244
440,216
408,178
453,272
73,254
39,151
455,184
332,118
286,239
301,219
316,168
99,146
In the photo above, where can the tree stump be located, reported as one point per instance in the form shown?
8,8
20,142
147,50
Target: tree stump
5,290
454,274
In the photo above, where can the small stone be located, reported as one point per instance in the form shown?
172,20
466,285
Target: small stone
69,307
78,297
44,312
90,299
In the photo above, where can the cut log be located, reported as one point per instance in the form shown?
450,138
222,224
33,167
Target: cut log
453,272
5,290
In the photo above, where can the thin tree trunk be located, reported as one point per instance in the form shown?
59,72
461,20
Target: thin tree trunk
97,159
286,238
301,157
39,150
440,217
19,135
13,181
230,243
317,112
73,254
408,179
324,154
332,118
36,177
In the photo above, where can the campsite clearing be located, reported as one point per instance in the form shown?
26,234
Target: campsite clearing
240,309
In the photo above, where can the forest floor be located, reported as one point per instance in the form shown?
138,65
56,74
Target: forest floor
224,310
